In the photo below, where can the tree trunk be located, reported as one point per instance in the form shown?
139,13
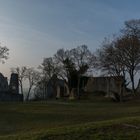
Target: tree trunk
27,98
132,80
133,85
45,91
121,92
78,88
21,87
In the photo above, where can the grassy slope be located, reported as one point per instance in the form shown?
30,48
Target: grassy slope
95,119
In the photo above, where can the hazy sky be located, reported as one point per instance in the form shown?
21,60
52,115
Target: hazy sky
34,29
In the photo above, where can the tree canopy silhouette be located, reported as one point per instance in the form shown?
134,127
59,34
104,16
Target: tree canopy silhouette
4,53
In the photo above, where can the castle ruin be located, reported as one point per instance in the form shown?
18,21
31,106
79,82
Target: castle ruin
10,92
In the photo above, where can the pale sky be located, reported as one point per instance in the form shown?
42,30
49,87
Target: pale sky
34,29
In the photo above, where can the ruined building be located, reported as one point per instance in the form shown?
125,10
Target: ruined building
10,92
57,88
108,85
54,88
111,86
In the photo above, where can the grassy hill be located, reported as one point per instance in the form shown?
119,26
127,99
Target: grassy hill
98,119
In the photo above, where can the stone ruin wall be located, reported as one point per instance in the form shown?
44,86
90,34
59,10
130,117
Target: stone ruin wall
107,85
10,92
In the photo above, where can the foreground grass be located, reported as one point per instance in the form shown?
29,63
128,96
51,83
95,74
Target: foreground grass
61,120
123,129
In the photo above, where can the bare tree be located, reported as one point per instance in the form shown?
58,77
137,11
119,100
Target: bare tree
79,59
130,46
129,50
68,64
83,58
110,62
4,52
49,67
61,57
33,77
131,28
108,58
74,63
122,54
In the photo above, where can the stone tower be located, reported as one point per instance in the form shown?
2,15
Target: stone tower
14,84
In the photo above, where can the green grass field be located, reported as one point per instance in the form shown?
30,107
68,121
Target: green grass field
98,119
